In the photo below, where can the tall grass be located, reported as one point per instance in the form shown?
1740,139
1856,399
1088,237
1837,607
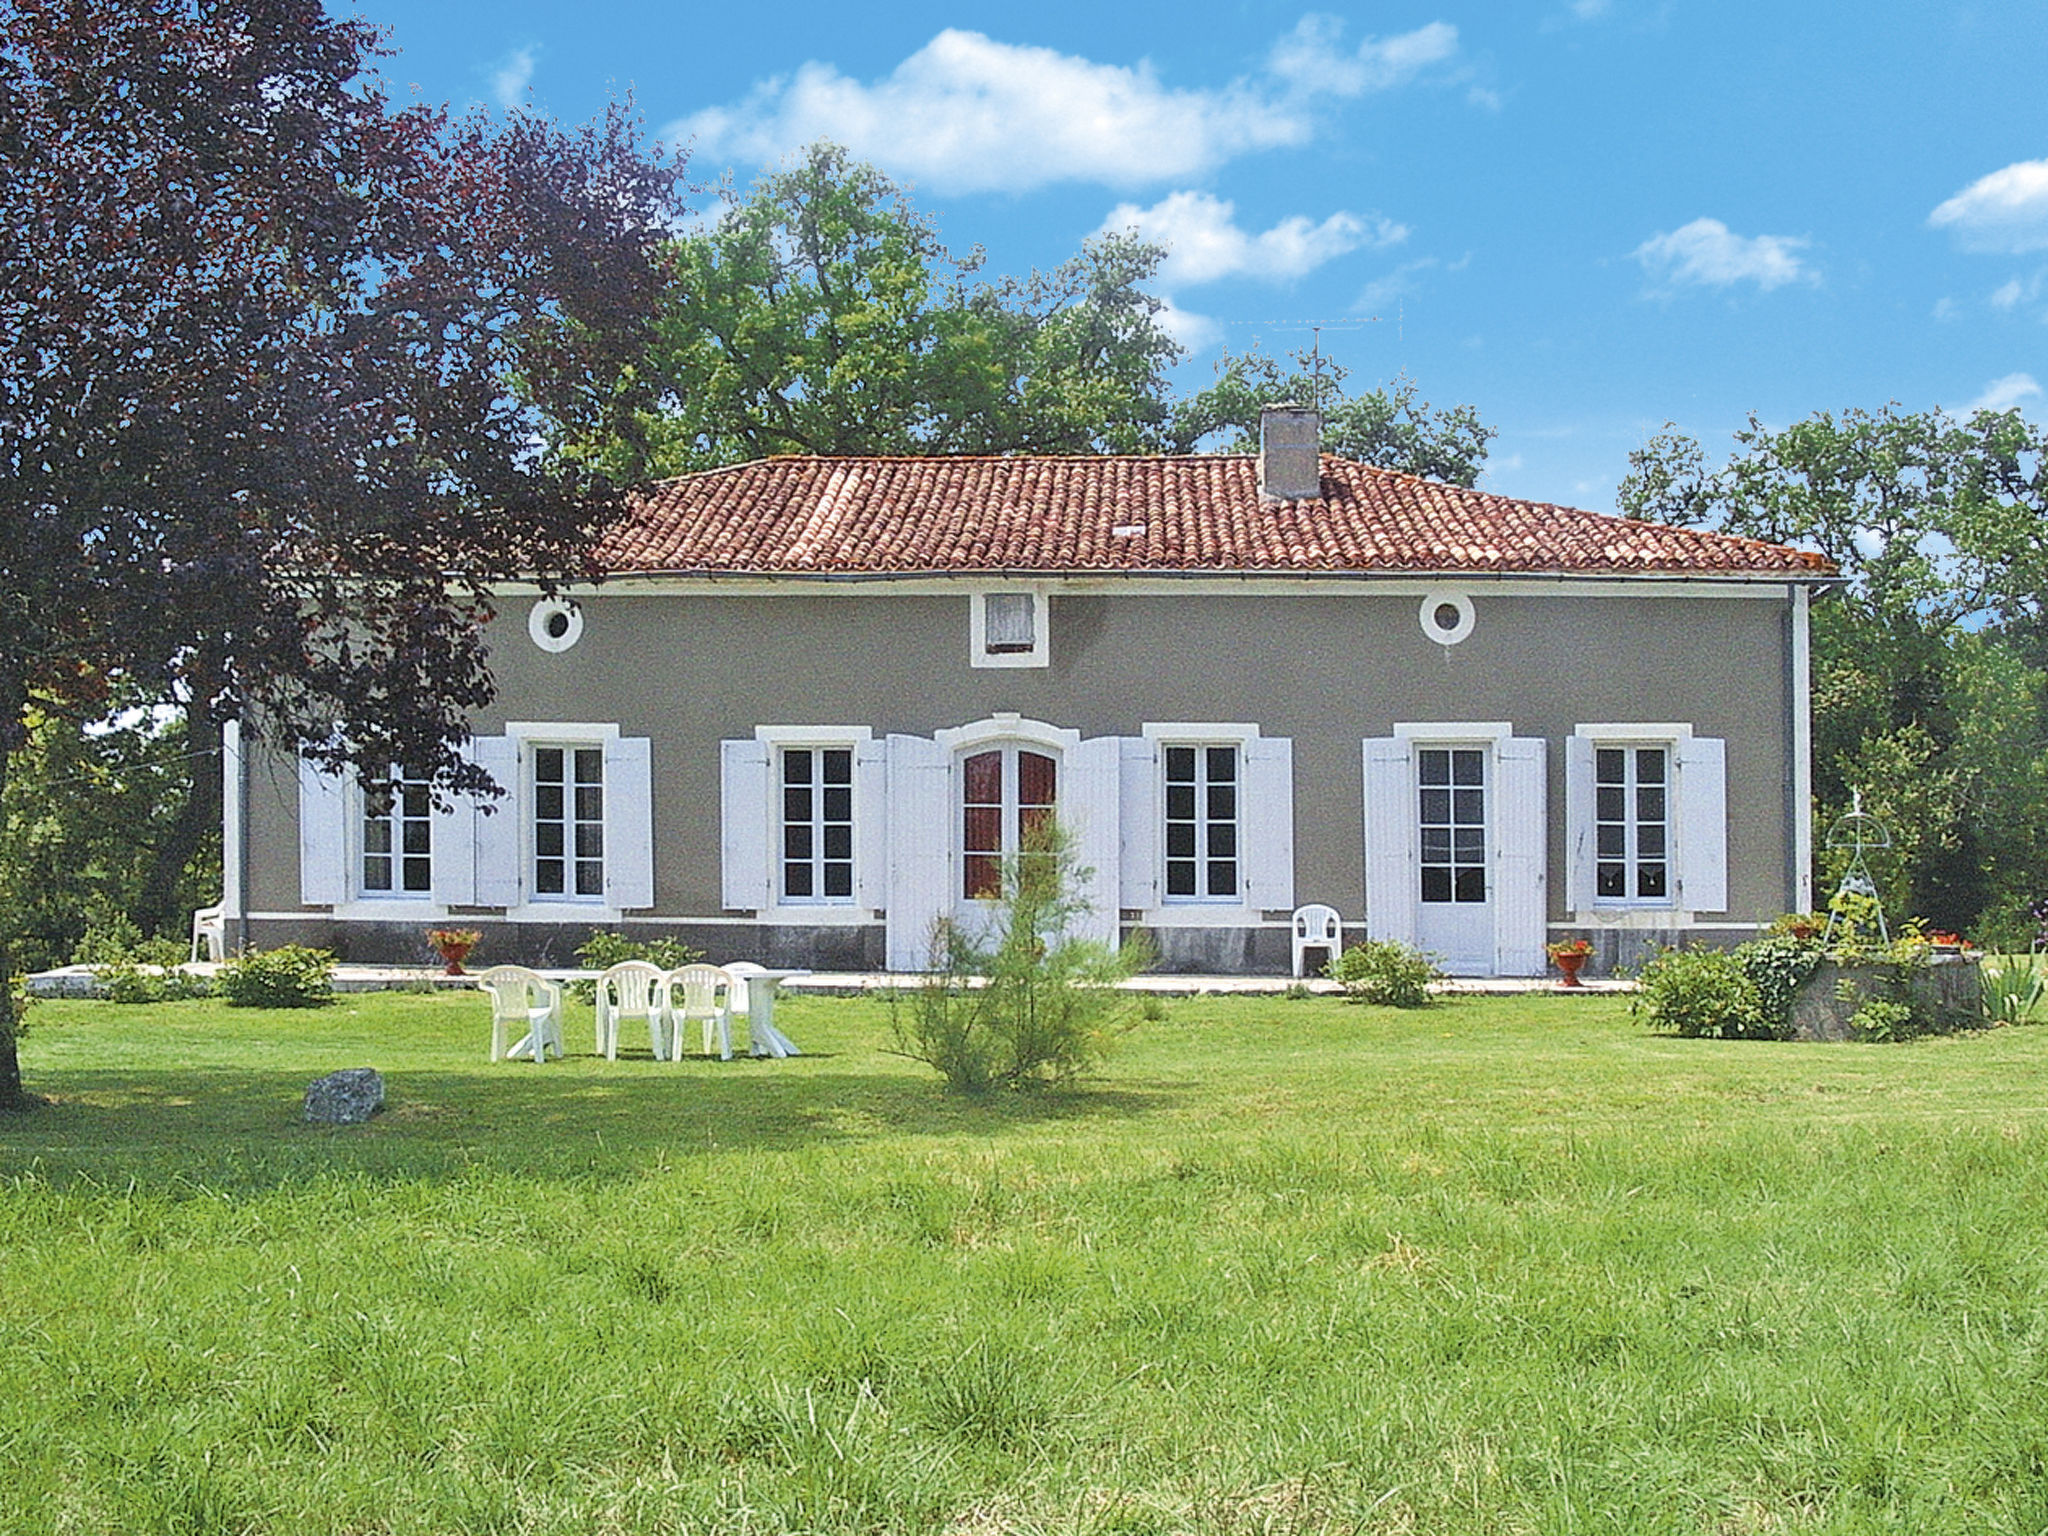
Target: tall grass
1503,1265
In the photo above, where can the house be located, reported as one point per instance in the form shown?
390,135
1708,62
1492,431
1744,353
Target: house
814,700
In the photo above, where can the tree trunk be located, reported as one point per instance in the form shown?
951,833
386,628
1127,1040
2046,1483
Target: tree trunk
12,734
158,909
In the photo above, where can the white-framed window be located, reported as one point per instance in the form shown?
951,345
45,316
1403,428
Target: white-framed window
1203,784
1007,628
395,837
1632,812
1646,820
566,820
817,823
1208,823
801,817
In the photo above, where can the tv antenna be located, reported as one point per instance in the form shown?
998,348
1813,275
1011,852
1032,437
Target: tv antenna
1315,328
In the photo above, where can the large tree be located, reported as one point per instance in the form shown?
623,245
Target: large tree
1929,698
279,361
1388,427
822,314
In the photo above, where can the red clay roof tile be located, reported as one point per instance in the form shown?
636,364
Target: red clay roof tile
1193,513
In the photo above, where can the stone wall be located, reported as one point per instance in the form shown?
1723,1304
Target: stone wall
1947,994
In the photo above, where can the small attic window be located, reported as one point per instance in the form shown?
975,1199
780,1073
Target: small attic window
554,624
1008,629
1447,616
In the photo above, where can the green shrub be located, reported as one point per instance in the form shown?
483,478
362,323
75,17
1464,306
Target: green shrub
1885,1018
1032,1004
1387,972
127,968
2013,990
1704,993
606,948
290,976
1777,964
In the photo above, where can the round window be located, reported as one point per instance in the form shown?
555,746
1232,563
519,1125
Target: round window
555,624
1446,617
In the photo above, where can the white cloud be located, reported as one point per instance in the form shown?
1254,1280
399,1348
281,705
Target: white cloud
1312,57
966,113
2018,291
2003,394
1198,333
511,76
1204,241
2005,211
1708,254
1945,308
1589,10
1397,284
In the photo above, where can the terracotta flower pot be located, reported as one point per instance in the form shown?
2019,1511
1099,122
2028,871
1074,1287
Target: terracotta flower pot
454,954
1570,965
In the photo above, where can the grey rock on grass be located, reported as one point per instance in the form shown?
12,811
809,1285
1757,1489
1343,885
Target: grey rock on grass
347,1097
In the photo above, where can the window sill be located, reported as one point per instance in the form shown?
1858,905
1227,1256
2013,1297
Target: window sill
1203,914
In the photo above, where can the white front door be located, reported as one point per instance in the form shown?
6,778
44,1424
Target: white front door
1452,809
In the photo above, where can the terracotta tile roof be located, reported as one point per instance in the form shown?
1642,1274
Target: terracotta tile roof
1191,513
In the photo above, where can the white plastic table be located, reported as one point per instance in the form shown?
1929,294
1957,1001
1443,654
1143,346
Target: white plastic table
763,1038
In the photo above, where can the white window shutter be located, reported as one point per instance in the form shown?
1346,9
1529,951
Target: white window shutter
1580,833
1703,824
324,804
1138,795
628,822
920,863
496,825
746,863
1521,844
871,824
1390,822
451,848
1266,823
1090,806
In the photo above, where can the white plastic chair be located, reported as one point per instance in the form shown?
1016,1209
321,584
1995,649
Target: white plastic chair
1316,927
701,992
513,991
210,930
631,989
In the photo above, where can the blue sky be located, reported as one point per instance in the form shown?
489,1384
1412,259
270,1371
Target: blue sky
1582,217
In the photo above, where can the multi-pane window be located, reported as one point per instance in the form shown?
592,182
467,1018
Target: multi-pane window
568,821
1004,793
1451,788
817,824
1201,823
397,836
1632,823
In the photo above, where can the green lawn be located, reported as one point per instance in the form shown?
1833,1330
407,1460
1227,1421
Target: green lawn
1502,1265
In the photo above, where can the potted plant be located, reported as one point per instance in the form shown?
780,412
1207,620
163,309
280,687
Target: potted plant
453,945
1568,955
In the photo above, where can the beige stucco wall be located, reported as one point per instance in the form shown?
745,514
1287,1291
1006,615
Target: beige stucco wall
1326,670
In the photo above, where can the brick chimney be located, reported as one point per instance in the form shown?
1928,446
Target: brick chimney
1290,447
